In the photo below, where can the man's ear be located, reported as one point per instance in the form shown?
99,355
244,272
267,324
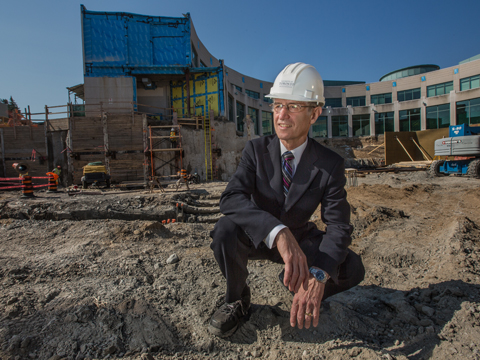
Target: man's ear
315,114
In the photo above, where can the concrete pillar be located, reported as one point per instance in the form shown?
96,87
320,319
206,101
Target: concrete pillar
453,107
350,121
396,116
372,120
423,114
329,121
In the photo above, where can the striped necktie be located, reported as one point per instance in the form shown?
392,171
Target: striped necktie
287,170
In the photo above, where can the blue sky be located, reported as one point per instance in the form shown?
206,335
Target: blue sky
344,39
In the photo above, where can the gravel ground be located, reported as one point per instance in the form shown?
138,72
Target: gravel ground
99,276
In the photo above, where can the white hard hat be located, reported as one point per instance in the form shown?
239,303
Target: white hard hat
298,82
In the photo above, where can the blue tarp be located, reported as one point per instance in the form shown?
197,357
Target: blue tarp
122,44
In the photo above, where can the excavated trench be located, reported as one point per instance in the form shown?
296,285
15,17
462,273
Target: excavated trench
191,207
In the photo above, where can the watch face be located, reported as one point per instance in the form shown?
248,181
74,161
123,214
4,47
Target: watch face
319,274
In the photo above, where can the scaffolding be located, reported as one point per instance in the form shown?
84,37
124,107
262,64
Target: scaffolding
156,139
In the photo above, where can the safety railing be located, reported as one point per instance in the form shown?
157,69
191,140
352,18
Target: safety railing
27,185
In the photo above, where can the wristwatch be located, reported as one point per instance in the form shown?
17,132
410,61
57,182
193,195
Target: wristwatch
319,274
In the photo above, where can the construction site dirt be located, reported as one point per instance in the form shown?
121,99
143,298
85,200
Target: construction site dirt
99,276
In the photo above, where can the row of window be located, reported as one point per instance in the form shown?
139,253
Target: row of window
471,82
252,94
439,89
468,112
468,83
267,117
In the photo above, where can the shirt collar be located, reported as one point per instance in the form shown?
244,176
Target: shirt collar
297,152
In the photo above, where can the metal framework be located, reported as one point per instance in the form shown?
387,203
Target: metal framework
156,140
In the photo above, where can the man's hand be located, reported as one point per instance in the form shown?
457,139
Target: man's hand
296,268
306,304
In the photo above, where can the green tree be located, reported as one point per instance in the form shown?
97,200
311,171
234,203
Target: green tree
12,104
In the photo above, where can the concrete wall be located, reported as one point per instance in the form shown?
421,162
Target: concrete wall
115,93
224,138
17,145
156,101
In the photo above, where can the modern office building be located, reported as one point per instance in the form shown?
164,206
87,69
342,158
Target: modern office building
159,65
410,99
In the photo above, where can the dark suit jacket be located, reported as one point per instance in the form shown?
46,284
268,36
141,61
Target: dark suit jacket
254,200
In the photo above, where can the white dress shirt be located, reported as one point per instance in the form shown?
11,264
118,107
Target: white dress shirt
297,153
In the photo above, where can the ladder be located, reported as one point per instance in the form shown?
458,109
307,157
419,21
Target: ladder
208,147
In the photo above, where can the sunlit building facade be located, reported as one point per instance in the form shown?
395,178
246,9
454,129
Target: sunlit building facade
160,65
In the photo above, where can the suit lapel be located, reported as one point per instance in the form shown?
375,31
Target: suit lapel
304,175
274,168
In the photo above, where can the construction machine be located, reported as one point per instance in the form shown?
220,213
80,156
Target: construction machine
461,152
95,173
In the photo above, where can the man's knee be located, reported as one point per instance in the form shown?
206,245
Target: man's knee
225,230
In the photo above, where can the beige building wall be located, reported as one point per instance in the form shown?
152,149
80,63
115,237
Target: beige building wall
422,81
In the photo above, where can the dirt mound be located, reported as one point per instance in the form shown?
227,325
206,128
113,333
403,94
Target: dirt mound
100,276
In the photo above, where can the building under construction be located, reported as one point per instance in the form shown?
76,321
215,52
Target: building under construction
155,101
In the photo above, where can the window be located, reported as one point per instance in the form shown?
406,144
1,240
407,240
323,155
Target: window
384,122
238,88
471,82
254,116
252,94
267,121
439,89
240,116
194,57
381,99
267,100
333,102
410,120
438,116
411,94
468,112
356,101
320,128
361,125
231,110
340,126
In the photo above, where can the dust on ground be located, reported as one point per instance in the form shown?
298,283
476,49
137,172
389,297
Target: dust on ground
100,277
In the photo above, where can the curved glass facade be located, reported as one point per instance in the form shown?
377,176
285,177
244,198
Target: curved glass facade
409,71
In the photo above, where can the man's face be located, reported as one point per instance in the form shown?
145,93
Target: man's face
292,128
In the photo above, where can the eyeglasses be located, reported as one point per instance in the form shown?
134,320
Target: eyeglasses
293,108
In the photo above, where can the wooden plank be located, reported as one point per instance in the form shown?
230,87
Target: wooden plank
165,137
164,126
172,149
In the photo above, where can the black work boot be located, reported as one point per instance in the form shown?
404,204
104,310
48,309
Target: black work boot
225,320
